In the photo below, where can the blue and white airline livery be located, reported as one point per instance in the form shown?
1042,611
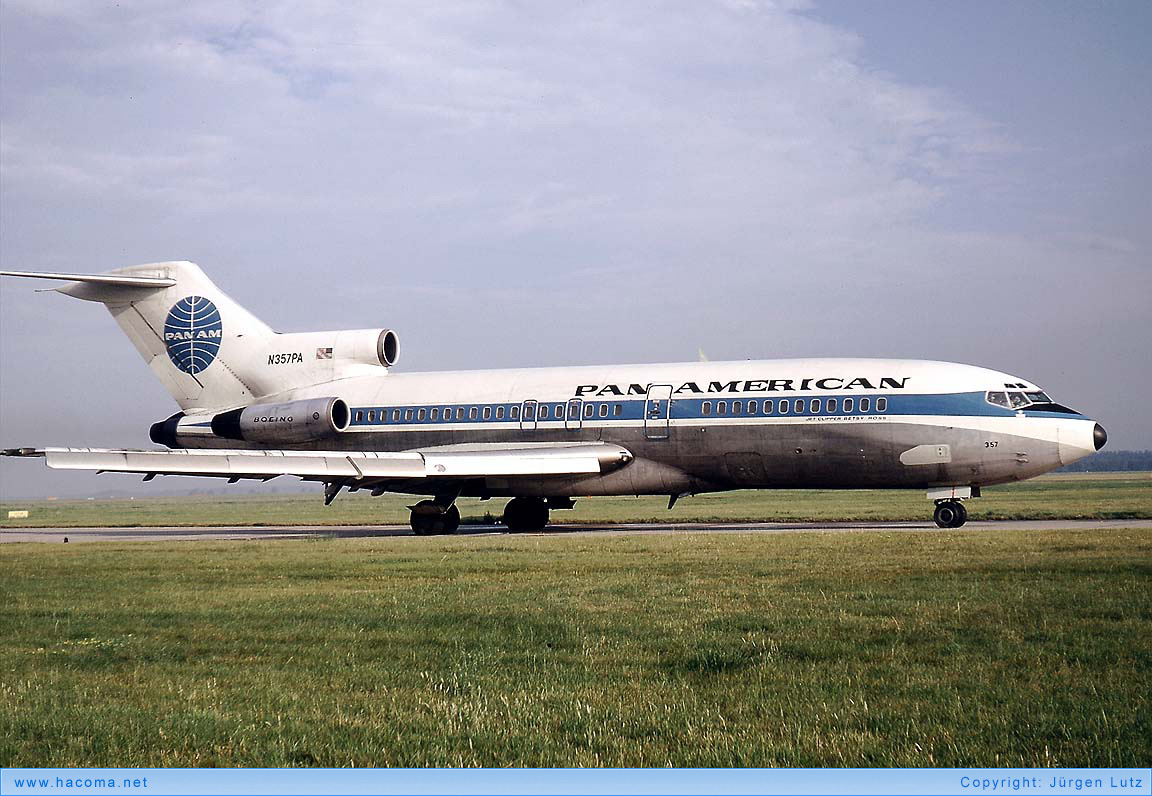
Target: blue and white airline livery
325,406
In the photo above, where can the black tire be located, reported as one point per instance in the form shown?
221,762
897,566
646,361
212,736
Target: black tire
961,516
421,523
431,523
950,514
451,519
525,515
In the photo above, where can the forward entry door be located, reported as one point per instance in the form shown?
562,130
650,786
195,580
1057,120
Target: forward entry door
657,410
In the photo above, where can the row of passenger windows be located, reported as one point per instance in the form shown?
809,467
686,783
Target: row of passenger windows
436,413
498,412
796,406
544,411
589,410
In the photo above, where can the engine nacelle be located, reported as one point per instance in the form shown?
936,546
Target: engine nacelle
359,346
284,423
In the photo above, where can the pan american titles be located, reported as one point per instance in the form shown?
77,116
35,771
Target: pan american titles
752,385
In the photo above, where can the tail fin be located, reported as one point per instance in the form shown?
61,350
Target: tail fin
208,351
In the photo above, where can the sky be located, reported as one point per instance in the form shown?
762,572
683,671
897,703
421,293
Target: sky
520,184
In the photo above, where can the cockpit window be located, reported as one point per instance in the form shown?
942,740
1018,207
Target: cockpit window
1021,400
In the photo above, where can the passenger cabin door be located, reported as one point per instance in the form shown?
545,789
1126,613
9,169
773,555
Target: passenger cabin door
657,410
528,411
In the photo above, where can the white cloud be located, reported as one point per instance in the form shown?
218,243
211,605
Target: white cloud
709,107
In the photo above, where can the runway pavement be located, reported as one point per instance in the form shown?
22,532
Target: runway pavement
74,535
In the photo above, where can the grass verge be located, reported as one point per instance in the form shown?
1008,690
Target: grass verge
901,649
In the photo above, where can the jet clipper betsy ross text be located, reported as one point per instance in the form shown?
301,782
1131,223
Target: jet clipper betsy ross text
253,406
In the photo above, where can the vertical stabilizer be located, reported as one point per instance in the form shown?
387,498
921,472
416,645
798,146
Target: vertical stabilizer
208,351
191,334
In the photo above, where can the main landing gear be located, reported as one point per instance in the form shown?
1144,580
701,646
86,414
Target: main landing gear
521,515
429,518
525,514
950,514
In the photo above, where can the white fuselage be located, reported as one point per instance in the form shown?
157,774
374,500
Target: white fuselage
694,427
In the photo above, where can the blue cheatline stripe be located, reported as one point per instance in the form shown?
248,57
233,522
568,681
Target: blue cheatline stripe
718,406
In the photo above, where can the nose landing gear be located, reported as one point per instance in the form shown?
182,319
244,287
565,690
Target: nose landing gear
950,511
950,514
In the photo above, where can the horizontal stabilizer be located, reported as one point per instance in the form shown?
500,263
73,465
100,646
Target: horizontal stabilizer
471,462
108,280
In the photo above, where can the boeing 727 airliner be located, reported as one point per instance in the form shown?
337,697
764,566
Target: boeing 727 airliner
325,407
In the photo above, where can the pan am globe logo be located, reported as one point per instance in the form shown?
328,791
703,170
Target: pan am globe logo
192,334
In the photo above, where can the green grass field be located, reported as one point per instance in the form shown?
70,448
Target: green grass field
1074,496
881,649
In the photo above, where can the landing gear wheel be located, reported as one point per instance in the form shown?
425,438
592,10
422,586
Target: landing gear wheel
950,514
428,519
523,515
451,519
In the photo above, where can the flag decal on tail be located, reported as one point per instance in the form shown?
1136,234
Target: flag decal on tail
192,334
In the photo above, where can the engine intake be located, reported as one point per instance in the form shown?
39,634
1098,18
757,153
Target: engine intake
388,348
285,423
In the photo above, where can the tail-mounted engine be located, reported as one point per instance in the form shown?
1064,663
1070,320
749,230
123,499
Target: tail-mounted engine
366,346
295,360
286,423
336,350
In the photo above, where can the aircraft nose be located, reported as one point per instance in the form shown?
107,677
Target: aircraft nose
1099,436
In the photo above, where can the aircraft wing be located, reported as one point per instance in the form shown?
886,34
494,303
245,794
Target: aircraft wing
449,462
